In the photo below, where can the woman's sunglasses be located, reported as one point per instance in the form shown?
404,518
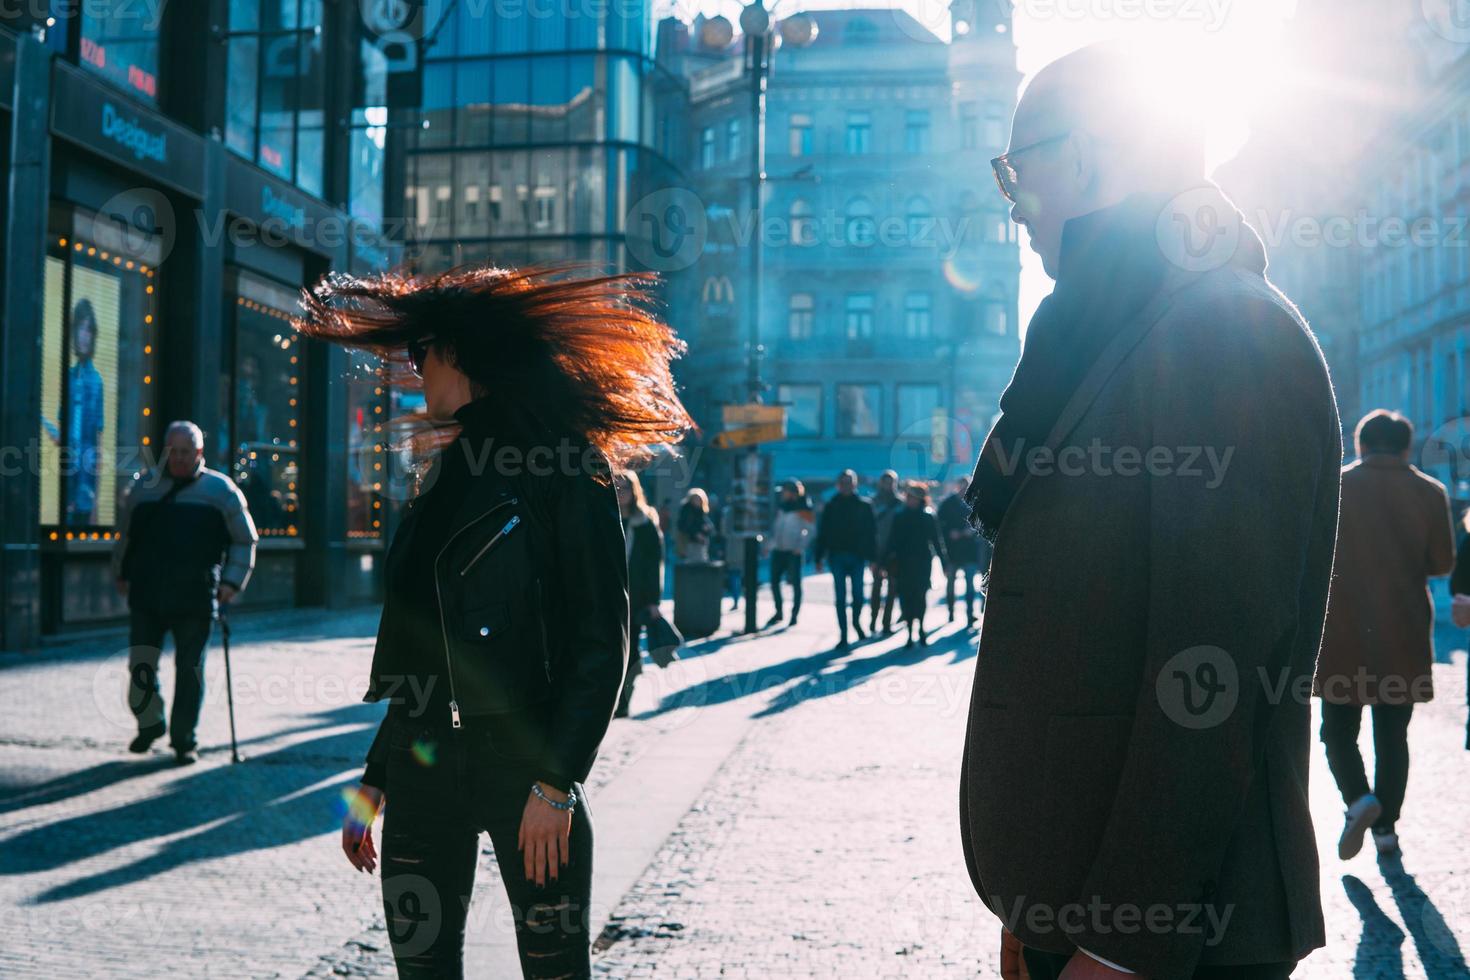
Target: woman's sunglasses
1005,173
418,350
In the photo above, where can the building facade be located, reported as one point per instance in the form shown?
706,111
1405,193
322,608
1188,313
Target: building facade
885,321
176,174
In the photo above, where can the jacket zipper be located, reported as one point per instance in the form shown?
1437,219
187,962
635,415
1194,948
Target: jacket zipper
541,622
454,718
509,525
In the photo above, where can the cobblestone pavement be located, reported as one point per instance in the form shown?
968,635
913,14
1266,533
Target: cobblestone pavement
824,844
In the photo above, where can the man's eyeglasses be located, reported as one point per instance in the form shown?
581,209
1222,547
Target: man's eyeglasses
1005,173
418,350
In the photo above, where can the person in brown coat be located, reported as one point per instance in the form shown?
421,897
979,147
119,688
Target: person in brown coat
1394,534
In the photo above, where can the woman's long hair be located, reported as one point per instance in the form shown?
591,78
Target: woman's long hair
571,355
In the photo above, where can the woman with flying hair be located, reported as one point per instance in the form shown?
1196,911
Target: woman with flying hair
504,634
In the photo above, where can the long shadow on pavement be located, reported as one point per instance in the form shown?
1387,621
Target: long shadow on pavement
274,799
1380,945
1434,939
813,667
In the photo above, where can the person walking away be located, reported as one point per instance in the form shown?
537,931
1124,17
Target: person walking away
789,533
644,547
734,556
504,636
1394,534
886,505
1130,750
969,553
845,534
914,542
693,528
185,548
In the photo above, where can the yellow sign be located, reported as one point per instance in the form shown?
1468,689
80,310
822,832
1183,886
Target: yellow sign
738,415
751,435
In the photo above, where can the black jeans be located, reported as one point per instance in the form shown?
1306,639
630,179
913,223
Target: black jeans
445,788
1340,726
786,564
1048,966
146,631
969,572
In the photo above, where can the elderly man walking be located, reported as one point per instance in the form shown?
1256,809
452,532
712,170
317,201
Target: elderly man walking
1394,535
185,546
1134,788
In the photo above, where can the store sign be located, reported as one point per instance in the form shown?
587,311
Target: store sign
273,205
129,132
88,113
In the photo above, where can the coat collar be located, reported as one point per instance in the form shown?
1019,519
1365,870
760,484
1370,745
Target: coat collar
1384,461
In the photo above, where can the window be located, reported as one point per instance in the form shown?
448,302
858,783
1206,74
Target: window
859,132
800,313
99,340
803,410
916,131
732,139
917,319
265,408
917,404
707,147
367,450
920,220
858,411
276,91
800,141
995,126
997,320
969,126
803,231
860,225
859,316
119,41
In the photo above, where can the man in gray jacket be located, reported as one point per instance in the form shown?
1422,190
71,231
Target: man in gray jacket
1161,488
185,546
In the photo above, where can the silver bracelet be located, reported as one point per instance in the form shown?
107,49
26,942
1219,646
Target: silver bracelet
568,806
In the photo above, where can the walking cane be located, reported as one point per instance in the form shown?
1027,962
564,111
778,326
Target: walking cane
224,628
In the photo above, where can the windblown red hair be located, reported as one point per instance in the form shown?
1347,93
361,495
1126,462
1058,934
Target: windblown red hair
578,354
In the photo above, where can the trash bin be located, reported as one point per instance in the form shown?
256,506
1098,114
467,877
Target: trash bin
699,588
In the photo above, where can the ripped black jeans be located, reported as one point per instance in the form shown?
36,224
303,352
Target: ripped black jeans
444,788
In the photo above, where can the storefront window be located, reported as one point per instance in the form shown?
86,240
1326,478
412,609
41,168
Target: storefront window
367,409
98,356
119,41
265,372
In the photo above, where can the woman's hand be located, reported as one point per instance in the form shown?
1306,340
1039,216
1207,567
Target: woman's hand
545,836
363,804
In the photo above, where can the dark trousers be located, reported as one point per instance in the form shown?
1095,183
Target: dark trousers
1340,726
146,632
786,565
635,659
882,575
969,572
1048,966
444,789
847,569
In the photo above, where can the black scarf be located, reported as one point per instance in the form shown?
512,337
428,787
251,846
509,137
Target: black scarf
1110,266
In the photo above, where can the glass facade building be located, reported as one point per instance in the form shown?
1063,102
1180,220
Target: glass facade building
536,133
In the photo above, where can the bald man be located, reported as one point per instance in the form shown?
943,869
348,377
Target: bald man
1161,489
185,546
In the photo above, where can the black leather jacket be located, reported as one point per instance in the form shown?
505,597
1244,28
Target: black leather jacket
530,588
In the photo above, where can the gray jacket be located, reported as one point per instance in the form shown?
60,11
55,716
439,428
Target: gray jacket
178,540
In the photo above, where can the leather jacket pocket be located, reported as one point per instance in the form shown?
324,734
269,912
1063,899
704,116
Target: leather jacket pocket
485,622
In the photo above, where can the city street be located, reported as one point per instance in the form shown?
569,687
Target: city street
773,809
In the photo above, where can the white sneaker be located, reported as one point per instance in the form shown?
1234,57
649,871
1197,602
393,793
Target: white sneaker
1359,817
1387,843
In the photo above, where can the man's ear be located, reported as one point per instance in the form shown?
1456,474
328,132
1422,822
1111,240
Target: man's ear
1081,157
